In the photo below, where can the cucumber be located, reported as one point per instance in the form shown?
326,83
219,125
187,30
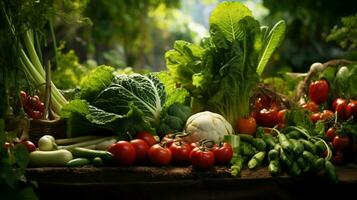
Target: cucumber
57,158
80,152
78,162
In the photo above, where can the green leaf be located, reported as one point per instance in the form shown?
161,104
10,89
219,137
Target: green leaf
226,17
352,80
341,81
22,155
320,128
96,81
174,94
272,42
81,115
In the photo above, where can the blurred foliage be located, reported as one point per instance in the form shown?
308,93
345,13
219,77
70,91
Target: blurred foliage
125,23
128,33
308,24
345,35
69,71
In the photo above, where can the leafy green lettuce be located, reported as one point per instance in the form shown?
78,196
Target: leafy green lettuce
221,72
84,119
115,103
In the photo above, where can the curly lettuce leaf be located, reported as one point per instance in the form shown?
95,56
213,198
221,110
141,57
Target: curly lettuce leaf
146,93
96,81
174,94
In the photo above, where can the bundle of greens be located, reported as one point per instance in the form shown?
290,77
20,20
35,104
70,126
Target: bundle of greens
221,72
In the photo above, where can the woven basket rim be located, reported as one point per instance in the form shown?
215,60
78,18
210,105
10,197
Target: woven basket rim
45,121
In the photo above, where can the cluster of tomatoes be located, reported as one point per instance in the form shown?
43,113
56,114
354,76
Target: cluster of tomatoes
144,148
266,113
33,106
342,144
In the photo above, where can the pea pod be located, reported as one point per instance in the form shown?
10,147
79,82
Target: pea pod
259,144
307,167
268,139
274,167
256,160
308,146
273,154
295,170
246,138
247,149
301,162
298,148
309,157
277,147
319,164
285,143
237,165
330,171
293,134
320,147
285,159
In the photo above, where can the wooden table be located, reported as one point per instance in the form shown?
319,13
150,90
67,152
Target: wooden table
142,182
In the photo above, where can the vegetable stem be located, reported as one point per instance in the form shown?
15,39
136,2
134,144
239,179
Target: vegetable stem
85,143
75,140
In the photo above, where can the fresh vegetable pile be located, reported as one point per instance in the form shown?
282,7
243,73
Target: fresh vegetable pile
202,111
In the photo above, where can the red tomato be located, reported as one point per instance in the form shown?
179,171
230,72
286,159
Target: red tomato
247,125
315,117
262,102
339,106
318,91
267,117
159,155
37,114
146,136
201,158
330,133
123,152
312,106
180,152
23,97
281,116
351,109
341,142
141,149
337,158
222,154
194,145
29,145
326,114
40,106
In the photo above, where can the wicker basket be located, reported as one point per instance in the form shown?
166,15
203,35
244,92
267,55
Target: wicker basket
303,87
39,128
